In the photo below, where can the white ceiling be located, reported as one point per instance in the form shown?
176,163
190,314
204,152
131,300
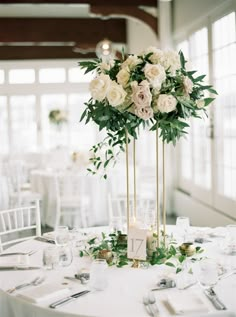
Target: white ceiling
45,10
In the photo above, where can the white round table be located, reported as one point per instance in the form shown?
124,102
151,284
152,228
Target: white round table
122,297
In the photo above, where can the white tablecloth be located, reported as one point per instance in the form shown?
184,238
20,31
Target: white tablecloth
43,182
122,297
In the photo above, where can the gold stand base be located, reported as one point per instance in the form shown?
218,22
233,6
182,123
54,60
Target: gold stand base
136,264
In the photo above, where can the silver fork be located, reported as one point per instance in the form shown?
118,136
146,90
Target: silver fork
36,281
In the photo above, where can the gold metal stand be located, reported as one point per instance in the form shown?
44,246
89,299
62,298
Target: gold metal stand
136,264
127,177
135,192
164,194
157,191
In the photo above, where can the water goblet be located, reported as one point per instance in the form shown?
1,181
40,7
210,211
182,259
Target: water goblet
65,256
115,224
98,274
50,257
207,273
62,236
182,227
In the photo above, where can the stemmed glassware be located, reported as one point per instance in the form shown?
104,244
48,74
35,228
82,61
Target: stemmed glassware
62,239
182,227
207,273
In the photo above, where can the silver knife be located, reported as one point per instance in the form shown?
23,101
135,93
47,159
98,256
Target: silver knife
13,253
67,299
10,268
210,293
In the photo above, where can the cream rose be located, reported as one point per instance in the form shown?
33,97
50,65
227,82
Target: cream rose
123,77
171,61
155,74
188,85
141,95
116,94
200,103
131,62
157,55
165,103
144,113
99,87
106,66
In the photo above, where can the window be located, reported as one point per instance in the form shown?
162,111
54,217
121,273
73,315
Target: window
4,125
2,76
23,123
24,116
224,52
76,75
207,165
52,75
21,76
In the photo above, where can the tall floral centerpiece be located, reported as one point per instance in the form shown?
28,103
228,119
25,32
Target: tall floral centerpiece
58,118
152,89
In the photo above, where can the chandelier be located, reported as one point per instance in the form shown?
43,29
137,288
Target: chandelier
105,50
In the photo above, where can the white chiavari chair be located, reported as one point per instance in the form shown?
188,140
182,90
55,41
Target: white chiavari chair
117,207
19,224
72,204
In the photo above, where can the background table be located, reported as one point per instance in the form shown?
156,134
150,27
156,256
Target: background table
43,182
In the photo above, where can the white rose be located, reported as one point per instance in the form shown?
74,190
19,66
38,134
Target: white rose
155,74
123,77
99,86
106,66
165,103
144,113
200,103
171,61
131,62
116,94
157,55
141,95
188,85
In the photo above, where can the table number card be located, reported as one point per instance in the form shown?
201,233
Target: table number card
137,243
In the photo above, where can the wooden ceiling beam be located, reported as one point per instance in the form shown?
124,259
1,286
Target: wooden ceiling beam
41,52
126,11
149,3
80,30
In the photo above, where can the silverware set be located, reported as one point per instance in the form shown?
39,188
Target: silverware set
36,281
149,302
210,293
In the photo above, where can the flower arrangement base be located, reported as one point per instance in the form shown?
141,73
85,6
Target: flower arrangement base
106,255
187,248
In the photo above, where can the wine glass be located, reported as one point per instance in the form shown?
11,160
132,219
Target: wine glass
207,273
98,274
182,226
62,236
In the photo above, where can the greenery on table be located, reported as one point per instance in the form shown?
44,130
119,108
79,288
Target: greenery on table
151,90
169,255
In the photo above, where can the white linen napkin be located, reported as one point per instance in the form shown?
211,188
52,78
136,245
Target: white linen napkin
186,302
44,292
14,260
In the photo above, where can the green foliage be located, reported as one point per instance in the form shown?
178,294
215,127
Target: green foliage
169,254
